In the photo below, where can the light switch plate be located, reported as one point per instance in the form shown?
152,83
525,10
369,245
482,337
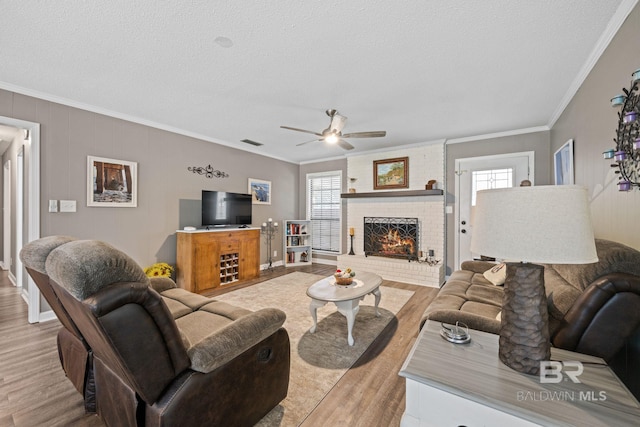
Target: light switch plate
67,205
53,206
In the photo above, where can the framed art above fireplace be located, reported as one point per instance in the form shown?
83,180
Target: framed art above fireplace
391,173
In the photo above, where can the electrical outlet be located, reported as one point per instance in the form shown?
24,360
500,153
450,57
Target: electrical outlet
53,206
275,253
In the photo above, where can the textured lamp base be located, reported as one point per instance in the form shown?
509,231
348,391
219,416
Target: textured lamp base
524,331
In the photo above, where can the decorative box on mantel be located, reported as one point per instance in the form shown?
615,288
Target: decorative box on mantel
400,270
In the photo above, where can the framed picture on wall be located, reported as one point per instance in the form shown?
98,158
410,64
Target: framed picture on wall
260,191
112,183
563,164
391,173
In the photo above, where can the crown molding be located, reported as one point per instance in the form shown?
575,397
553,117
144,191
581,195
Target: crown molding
498,134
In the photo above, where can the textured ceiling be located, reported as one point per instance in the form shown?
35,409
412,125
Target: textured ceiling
226,71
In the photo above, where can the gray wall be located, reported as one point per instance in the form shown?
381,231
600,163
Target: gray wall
537,142
168,194
591,121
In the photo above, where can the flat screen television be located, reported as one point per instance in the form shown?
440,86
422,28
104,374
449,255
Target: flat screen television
222,208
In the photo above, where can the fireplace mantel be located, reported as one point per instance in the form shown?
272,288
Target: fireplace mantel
400,193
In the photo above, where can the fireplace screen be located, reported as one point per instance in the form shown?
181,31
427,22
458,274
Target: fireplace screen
391,237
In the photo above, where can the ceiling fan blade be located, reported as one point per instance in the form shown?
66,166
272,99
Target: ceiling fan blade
306,142
301,130
344,144
372,134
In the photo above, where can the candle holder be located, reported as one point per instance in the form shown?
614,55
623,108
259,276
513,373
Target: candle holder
352,188
351,234
626,152
268,230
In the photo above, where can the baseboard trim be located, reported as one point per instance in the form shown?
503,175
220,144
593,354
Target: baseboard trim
325,261
275,264
47,316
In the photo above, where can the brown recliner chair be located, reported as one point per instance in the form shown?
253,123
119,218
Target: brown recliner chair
218,365
74,352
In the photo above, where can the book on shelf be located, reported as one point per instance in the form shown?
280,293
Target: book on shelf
295,228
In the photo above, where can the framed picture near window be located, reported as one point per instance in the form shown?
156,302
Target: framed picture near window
260,191
112,183
391,173
563,164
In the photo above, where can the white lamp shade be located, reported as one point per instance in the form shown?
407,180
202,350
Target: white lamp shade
545,224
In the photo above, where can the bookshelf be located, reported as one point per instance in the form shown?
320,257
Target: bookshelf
297,243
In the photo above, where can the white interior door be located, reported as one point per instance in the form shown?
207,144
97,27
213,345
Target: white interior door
6,213
19,220
482,173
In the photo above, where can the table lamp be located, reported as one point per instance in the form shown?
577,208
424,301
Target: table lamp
543,224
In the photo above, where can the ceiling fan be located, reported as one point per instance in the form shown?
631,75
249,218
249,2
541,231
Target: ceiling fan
333,134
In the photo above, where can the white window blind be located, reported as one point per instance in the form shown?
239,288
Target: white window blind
324,210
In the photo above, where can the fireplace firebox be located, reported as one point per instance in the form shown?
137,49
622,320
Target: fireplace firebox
391,237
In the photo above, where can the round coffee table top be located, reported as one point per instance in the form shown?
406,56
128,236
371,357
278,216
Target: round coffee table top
326,289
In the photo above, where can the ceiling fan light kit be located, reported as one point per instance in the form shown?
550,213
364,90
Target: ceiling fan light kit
333,134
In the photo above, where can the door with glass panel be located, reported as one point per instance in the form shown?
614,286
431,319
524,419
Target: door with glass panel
481,173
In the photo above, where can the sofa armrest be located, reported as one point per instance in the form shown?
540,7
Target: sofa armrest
472,320
161,284
228,342
477,266
602,318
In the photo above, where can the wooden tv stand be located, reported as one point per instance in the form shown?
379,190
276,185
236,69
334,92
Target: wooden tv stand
209,259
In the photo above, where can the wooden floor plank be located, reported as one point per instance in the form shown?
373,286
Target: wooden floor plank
34,390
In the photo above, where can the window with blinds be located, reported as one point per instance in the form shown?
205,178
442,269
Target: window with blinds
324,210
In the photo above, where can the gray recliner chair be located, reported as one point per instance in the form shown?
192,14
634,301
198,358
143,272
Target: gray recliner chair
213,364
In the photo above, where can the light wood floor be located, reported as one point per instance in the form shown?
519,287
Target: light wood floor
35,392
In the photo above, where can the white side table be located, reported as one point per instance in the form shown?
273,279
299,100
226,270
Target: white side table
467,385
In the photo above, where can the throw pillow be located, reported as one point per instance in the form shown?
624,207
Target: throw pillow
496,274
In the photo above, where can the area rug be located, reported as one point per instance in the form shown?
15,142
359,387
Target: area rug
320,359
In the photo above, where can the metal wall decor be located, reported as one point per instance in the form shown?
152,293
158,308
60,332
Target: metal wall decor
208,171
626,153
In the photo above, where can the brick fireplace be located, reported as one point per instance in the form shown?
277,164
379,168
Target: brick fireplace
426,162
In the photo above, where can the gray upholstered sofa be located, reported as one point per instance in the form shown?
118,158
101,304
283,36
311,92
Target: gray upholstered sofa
144,352
593,308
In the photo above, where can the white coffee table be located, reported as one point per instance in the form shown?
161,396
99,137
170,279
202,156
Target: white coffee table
346,298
